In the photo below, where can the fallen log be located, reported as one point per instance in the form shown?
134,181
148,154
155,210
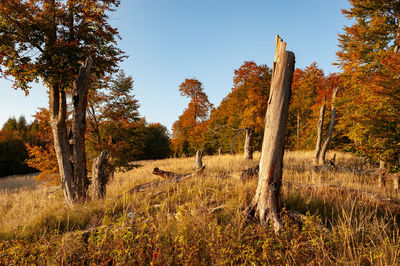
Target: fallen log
250,173
168,177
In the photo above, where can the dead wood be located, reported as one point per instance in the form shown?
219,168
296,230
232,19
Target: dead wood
168,178
265,204
250,173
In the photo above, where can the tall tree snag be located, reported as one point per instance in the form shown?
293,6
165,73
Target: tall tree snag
331,127
248,144
265,203
78,155
319,132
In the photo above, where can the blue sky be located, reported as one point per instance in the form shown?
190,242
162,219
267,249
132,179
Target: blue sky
170,40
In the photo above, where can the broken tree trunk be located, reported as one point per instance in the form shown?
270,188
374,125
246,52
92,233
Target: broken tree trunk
101,175
70,150
319,132
331,127
248,144
198,160
168,177
78,154
265,203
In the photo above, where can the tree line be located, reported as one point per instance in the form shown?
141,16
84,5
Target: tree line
114,124
73,49
367,104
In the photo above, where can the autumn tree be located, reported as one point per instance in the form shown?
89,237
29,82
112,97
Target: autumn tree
188,131
308,91
64,43
42,155
244,107
367,57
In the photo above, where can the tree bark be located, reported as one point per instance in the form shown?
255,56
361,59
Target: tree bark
265,203
331,127
248,144
58,116
78,155
100,175
319,132
198,161
70,150
382,174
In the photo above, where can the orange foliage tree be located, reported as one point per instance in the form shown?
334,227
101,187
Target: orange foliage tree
369,60
189,130
244,106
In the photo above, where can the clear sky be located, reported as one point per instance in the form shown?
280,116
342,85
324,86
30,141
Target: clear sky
170,40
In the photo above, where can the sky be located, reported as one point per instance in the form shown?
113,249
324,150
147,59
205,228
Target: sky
168,41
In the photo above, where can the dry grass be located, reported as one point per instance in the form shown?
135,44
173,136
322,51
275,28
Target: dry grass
198,221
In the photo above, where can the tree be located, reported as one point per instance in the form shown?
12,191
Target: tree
367,57
308,92
114,122
244,107
189,130
42,155
14,135
266,200
50,40
157,142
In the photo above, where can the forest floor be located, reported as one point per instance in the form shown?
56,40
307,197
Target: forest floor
348,219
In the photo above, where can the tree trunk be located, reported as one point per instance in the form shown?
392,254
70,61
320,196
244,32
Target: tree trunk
331,127
100,175
70,150
198,161
219,151
266,200
382,174
248,144
78,155
58,116
319,132
298,126
396,180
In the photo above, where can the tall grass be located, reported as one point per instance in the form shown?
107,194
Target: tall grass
200,221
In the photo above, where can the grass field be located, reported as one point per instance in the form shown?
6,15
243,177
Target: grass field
200,221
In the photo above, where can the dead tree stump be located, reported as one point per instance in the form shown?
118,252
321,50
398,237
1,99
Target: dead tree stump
248,144
331,127
319,132
198,160
101,174
265,203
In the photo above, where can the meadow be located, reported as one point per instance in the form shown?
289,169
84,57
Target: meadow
200,220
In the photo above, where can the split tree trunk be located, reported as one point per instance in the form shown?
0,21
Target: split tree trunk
248,144
331,127
70,150
265,203
198,160
319,132
101,175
